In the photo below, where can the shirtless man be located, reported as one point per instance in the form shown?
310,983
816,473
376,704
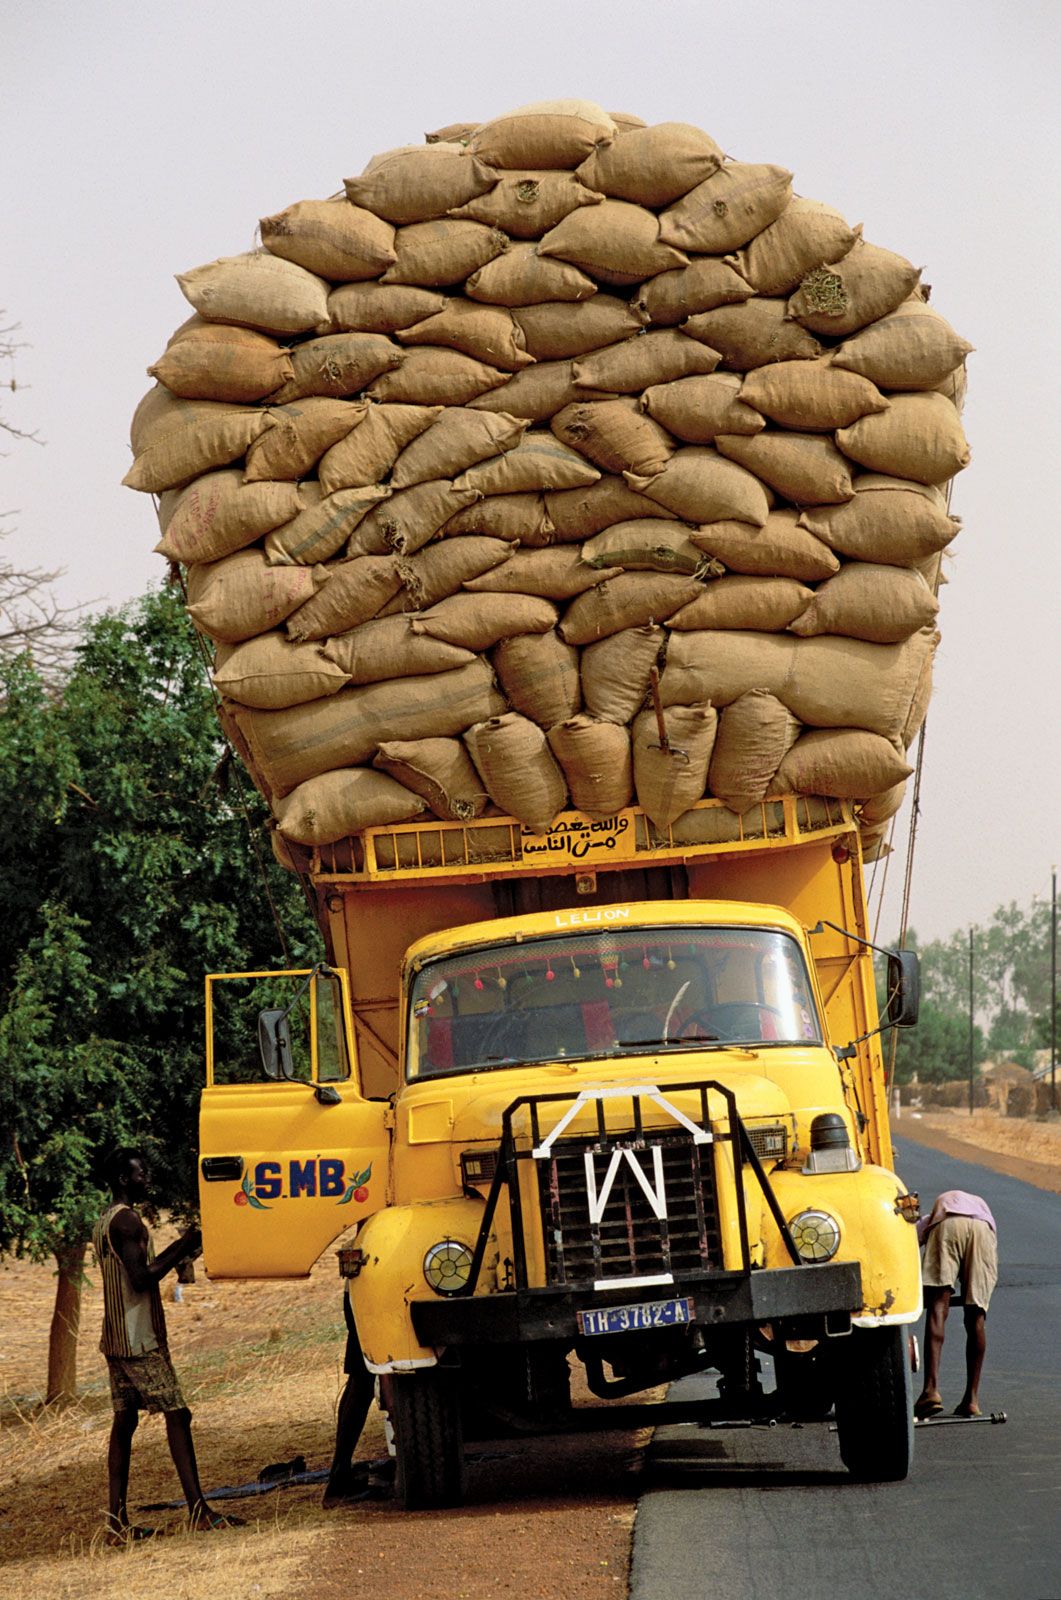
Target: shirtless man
959,1241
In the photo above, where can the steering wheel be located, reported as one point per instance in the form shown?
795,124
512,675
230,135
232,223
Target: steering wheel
633,1026
731,1017
702,1020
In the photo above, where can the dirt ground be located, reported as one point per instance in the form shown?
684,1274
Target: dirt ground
1018,1146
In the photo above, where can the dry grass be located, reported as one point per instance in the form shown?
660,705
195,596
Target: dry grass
1021,1137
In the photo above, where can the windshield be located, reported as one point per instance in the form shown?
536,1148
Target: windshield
623,991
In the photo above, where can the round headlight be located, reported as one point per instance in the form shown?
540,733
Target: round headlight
816,1235
448,1266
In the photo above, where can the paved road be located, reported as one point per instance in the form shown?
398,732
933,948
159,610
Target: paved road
770,1513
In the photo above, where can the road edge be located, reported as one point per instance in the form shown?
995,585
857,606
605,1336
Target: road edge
1040,1174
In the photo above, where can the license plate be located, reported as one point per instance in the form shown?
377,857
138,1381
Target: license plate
635,1319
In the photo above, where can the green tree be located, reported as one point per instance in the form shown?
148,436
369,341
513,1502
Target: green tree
937,1049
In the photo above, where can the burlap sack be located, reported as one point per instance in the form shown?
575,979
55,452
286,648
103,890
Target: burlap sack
653,166
518,769
418,182
616,672
781,548
558,331
369,451
720,665
537,393
556,574
338,364
479,621
646,545
219,513
628,601
866,284
845,762
257,290
241,595
578,514
867,601
812,395
413,516
728,208
387,647
921,696
539,674
617,242
626,122
846,683
805,234
440,771
381,307
806,468
353,592
441,568
672,296
336,804
213,361
270,672
595,759
431,375
614,435
159,413
880,807
755,732
766,604
336,240
460,438
537,462
914,348
551,134
522,277
920,436
452,133
669,781
432,255
699,485
752,334
321,530
698,409
513,517
890,520
300,434
648,358
188,438
527,204
486,333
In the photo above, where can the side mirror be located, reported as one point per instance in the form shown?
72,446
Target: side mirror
904,989
274,1044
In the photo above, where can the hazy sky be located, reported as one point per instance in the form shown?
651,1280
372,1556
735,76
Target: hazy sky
141,140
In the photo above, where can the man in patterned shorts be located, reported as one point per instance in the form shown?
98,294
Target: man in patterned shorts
958,1238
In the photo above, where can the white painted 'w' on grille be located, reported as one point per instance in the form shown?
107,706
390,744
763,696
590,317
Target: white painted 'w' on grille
655,1194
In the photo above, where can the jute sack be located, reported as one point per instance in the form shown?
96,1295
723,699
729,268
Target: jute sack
626,122
440,771
518,769
646,545
616,672
338,241
920,436
207,435
513,517
452,133
868,601
338,364
556,574
806,468
387,647
369,451
812,395
381,307
241,595
617,242
257,291
431,375
318,532
457,440
270,672
522,277
412,517
914,348
549,134
874,844
845,762
890,520
767,605
865,284
300,434
728,208
539,674
780,548
559,330
432,255
880,807
614,435
669,781
752,334
213,361
720,665
287,747
698,409
537,462
526,204
755,733
669,298
920,698
647,358
441,568
353,592
653,166
486,333
847,683
158,413
628,601
219,513
578,514
537,393
596,763
479,621
699,485
805,234
336,804
418,182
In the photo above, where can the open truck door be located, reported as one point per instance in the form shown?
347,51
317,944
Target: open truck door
291,1154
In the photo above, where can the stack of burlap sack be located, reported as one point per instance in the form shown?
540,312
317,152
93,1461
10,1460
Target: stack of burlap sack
563,462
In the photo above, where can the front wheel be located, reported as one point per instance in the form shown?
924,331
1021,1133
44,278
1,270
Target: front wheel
426,1416
874,1405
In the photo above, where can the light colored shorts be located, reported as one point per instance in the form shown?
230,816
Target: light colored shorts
965,1250
145,1383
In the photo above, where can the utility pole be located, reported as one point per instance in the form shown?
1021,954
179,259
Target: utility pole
1053,989
972,1041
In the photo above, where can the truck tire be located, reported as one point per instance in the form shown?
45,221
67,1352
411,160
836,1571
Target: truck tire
874,1405
426,1417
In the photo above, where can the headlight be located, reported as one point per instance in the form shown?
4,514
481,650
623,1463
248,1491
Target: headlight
816,1235
448,1266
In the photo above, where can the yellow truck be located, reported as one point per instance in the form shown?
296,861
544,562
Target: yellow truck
610,1095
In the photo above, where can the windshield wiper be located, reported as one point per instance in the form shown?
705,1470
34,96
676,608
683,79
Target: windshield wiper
671,1044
